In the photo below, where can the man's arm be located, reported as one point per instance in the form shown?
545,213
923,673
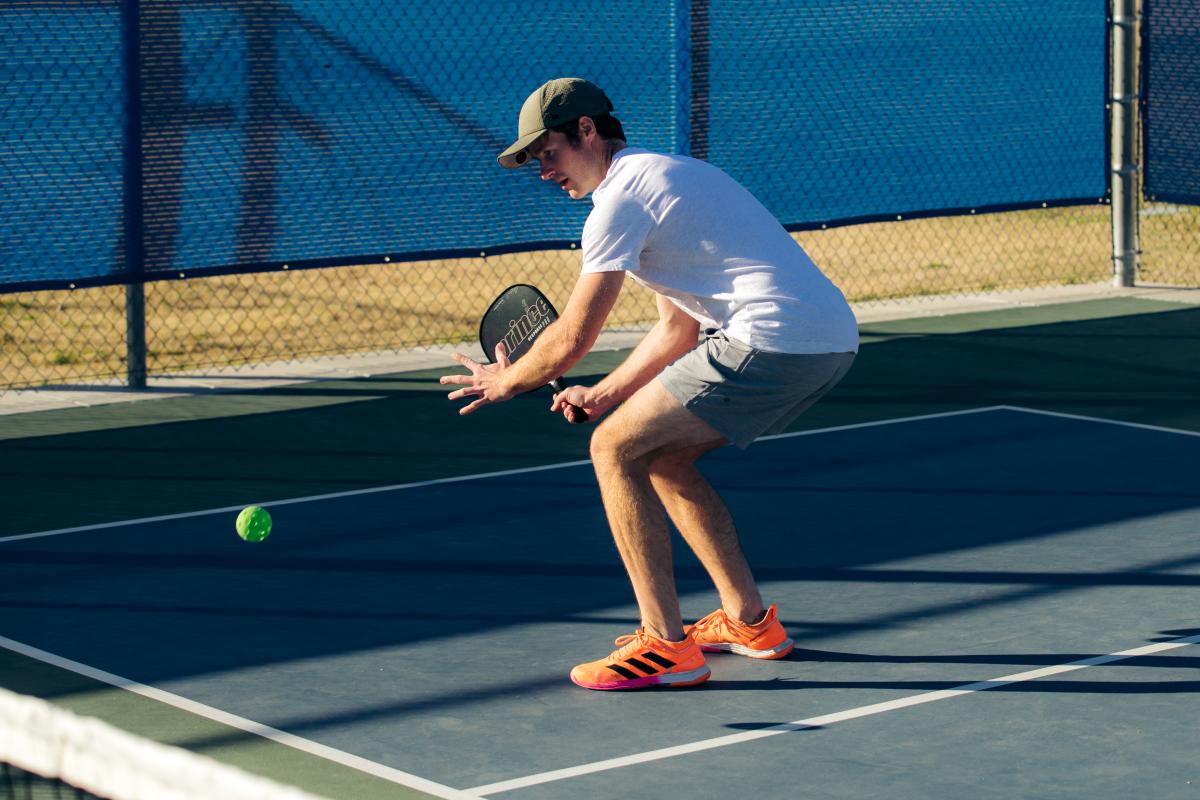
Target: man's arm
674,334
556,350
571,336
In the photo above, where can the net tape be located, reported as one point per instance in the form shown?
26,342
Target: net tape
94,756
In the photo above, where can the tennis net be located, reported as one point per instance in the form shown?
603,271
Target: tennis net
47,752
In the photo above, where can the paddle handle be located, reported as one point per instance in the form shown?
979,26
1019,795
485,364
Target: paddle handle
580,415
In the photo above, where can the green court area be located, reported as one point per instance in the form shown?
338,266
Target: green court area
982,542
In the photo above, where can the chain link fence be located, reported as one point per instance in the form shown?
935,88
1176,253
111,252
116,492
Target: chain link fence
1169,216
1170,245
78,335
244,147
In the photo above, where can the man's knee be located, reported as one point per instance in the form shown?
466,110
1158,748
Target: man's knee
614,444
650,423
611,444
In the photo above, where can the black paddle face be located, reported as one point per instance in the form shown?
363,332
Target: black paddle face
517,317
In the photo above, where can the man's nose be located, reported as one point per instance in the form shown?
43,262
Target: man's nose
547,171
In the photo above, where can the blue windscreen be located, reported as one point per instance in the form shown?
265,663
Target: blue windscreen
1171,87
61,122
861,108
312,133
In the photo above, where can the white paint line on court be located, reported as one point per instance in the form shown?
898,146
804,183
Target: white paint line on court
439,481
438,790
825,720
1102,420
293,501
877,423
566,464
241,723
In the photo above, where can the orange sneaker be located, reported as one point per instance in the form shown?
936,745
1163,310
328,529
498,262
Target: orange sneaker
718,632
642,660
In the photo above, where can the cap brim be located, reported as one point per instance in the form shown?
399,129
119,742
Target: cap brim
515,155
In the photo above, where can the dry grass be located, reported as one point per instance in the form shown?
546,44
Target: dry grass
78,336
965,255
1170,237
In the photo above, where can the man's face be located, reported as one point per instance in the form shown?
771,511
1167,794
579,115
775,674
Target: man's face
577,170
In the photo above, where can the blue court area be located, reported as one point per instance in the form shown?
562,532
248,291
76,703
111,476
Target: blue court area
428,629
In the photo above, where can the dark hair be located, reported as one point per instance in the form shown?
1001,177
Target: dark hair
608,126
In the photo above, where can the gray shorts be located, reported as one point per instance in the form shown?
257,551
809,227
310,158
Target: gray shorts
744,393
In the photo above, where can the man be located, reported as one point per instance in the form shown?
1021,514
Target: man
778,335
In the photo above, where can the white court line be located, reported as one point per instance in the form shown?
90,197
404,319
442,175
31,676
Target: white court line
1121,423
282,737
824,720
241,723
565,464
292,501
417,782
456,479
877,423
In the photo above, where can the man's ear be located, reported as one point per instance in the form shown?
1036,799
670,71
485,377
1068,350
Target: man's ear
587,126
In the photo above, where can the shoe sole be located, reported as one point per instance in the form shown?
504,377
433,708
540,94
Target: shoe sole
779,651
671,680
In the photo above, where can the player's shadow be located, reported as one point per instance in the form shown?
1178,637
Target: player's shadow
1015,660
1044,686
1179,633
1040,686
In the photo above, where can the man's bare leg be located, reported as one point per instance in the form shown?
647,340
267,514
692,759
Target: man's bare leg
644,456
706,525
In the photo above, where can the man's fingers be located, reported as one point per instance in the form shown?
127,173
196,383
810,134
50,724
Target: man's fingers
467,409
461,393
476,384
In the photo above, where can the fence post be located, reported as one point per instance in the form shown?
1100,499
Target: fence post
133,234
1124,142
699,44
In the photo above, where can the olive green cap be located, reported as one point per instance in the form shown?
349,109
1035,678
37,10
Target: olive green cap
555,102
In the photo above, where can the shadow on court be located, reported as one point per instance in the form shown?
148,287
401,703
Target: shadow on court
132,460
907,557
346,574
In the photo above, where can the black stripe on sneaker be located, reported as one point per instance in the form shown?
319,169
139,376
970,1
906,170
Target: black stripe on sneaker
624,673
650,655
642,665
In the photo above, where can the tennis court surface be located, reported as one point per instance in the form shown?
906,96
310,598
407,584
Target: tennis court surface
984,543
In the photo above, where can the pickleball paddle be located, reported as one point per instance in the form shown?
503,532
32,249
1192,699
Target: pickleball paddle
517,317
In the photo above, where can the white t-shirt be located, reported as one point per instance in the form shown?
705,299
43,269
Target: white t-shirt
690,232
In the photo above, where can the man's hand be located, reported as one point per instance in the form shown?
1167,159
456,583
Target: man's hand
574,397
485,382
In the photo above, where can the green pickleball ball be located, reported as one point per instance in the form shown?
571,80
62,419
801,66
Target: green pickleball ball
254,524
